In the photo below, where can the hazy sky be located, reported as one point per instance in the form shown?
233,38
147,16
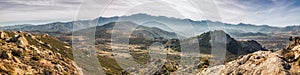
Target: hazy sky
261,12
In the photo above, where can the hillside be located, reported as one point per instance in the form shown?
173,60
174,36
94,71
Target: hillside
24,53
233,47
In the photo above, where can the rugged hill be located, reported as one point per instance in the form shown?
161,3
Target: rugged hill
24,53
282,62
232,46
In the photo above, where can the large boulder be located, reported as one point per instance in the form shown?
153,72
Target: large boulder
22,42
3,35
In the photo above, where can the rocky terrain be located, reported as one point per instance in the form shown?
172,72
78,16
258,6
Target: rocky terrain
31,54
25,53
282,62
138,45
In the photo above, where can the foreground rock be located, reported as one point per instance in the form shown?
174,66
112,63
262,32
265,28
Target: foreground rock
23,53
258,63
282,62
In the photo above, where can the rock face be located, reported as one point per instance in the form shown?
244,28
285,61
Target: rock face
295,42
22,54
282,62
258,63
251,46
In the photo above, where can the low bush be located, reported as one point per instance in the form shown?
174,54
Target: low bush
36,57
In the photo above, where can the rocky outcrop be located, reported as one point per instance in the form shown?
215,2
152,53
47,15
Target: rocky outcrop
21,54
258,63
295,42
19,39
3,35
251,46
282,62
292,54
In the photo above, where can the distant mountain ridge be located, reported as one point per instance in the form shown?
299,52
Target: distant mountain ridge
165,23
104,31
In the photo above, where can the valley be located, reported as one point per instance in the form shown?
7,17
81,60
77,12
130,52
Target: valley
153,44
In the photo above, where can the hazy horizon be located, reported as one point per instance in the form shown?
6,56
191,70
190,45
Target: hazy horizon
47,22
277,13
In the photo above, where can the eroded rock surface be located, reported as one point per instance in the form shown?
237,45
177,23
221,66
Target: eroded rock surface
21,54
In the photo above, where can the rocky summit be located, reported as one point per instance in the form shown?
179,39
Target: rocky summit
24,53
282,62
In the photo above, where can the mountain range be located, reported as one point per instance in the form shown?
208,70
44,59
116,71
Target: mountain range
105,31
166,30
184,27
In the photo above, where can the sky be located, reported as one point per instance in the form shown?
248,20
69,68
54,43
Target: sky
260,12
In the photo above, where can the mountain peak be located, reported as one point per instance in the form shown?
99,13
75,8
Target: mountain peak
233,47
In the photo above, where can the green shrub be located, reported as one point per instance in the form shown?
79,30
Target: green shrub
298,61
57,46
206,62
171,69
36,57
111,64
10,34
289,55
